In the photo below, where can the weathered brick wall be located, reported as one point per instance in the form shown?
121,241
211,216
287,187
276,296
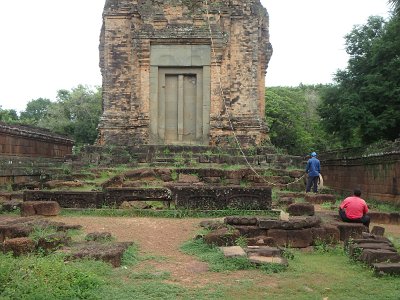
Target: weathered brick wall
30,142
377,176
239,39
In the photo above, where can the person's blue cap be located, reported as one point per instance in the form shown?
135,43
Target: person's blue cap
313,154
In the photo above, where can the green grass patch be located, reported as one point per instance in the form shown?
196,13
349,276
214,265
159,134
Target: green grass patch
49,277
218,263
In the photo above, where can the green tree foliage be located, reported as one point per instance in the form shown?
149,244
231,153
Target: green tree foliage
293,119
8,115
395,4
75,113
364,104
35,111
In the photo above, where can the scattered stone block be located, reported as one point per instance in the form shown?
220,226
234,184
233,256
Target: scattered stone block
54,241
19,246
369,236
110,253
27,209
320,198
251,231
326,234
350,230
261,241
376,246
356,249
222,237
263,251
42,208
378,230
233,251
10,231
268,223
279,236
299,238
293,223
260,260
245,221
47,208
387,268
301,209
285,201
371,256
369,241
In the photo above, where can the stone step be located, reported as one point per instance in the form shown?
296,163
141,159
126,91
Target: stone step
387,268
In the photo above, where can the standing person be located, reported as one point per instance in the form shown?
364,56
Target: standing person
313,169
354,209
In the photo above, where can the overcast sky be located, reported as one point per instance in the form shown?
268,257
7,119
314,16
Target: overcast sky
47,45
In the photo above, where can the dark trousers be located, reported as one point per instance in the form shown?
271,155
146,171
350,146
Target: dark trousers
365,219
312,181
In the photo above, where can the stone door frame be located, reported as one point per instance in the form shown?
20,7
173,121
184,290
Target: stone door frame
180,59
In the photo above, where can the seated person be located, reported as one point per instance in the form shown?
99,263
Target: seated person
354,209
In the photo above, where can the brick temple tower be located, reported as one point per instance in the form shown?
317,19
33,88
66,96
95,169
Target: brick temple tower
183,72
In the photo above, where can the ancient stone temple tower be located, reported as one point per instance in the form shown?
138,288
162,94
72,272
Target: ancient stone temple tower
186,72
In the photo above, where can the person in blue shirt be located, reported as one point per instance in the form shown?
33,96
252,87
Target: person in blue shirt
313,169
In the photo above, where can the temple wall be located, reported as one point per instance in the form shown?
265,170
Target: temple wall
377,176
28,142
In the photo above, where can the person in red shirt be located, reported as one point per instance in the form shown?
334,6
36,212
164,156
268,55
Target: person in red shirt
354,209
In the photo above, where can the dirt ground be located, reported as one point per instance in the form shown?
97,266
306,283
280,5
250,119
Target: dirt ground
160,240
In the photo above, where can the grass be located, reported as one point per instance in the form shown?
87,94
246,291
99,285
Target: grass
218,263
325,273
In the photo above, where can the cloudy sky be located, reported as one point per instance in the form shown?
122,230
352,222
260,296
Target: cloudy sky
47,45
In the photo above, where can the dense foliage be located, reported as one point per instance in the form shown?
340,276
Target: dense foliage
363,106
75,113
291,114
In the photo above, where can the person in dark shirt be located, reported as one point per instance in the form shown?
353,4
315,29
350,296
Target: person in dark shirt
313,169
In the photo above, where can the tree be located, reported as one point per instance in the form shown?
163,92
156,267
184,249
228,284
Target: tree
395,4
8,115
75,113
293,119
364,104
35,111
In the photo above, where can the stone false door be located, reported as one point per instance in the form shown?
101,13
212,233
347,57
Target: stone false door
180,94
180,104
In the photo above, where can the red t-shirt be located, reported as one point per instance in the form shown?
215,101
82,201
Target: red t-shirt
354,206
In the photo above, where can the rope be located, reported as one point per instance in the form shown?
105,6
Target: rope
228,110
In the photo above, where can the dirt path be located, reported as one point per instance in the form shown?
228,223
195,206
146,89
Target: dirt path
161,239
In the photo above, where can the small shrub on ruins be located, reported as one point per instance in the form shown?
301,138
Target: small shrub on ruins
42,232
179,161
324,247
174,175
288,253
241,241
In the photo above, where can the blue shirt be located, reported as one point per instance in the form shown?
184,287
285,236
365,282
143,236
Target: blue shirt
313,167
